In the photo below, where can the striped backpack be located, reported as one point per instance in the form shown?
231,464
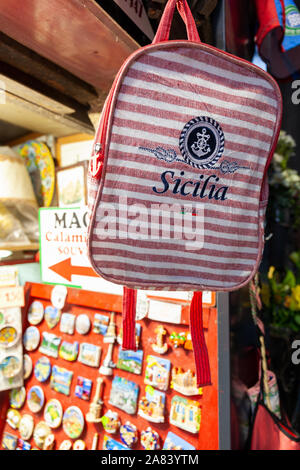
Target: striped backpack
177,181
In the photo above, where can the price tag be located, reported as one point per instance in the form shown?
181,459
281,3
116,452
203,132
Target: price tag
12,297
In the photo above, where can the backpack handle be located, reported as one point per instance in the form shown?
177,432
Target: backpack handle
163,31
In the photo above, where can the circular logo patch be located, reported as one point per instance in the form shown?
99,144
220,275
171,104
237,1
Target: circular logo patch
201,142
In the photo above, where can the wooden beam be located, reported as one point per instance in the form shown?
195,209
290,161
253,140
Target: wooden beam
48,73
77,35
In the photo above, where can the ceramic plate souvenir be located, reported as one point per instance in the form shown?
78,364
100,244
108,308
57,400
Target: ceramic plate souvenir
65,445
73,422
8,336
40,433
79,445
9,441
35,399
17,397
40,165
10,366
26,427
27,366
13,418
42,369
31,338
67,323
35,312
53,413
128,434
52,316
82,324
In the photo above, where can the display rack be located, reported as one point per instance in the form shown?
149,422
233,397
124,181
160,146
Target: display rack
215,427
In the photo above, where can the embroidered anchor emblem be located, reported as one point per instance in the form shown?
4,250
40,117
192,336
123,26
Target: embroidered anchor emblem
201,146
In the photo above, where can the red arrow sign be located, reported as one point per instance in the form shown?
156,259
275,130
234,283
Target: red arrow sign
66,270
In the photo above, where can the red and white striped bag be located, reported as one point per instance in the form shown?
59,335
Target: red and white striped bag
177,181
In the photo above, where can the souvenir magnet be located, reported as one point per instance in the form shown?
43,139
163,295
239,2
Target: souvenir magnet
27,366
31,338
42,369
82,324
49,442
61,379
83,388
160,347
177,339
8,336
35,313
124,394
52,316
50,344
67,323
13,418
131,361
40,433
35,399
53,413
185,382
23,445
79,445
188,344
128,434
17,397
58,296
69,351
10,366
89,354
185,414
111,422
93,415
157,372
100,324
26,427
152,405
9,441
174,442
150,439
65,445
111,444
73,422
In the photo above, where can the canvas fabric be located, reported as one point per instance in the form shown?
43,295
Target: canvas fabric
190,129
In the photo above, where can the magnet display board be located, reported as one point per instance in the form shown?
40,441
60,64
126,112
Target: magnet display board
78,302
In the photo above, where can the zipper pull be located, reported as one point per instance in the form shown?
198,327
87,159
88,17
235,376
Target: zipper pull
96,161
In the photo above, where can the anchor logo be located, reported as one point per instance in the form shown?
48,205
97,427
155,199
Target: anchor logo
201,147
201,142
